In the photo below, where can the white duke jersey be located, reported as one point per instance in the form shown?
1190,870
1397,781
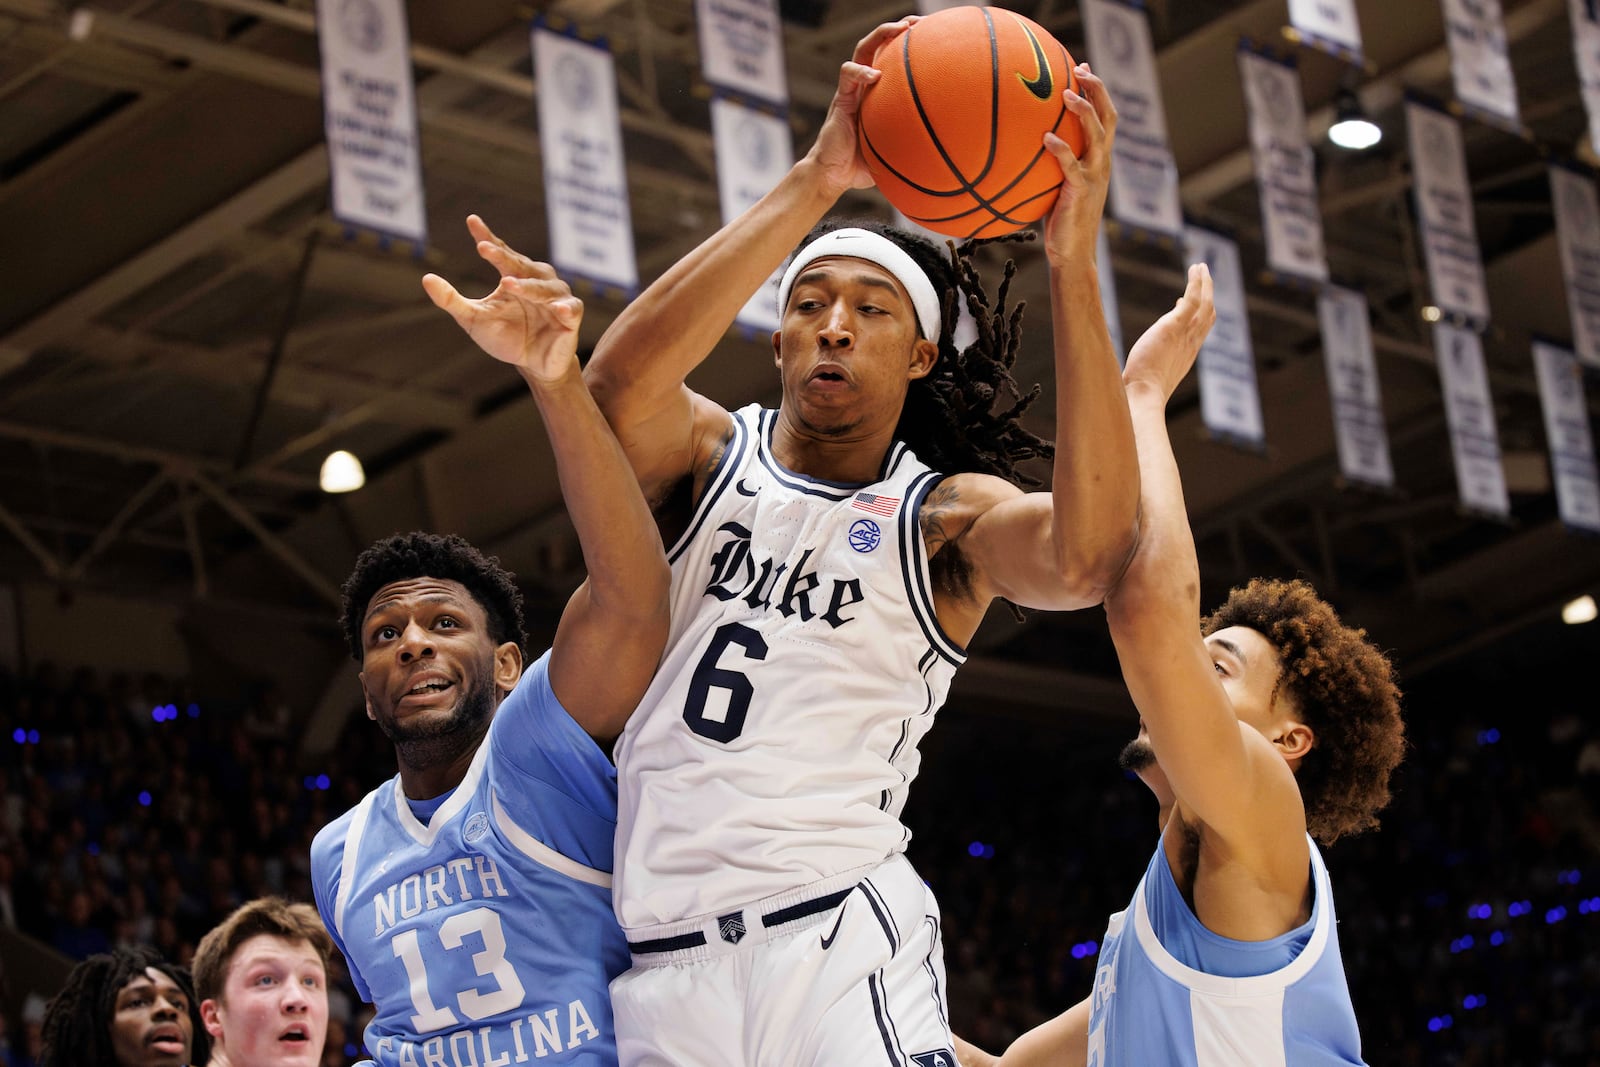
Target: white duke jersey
776,744
485,933
1169,991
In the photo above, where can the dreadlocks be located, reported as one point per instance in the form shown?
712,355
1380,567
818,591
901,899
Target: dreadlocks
77,1024
950,417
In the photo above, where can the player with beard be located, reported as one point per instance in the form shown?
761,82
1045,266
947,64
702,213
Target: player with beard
1267,729
471,893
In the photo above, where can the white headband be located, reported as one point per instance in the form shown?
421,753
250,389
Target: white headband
864,244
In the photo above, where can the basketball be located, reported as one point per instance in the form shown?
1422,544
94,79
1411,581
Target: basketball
953,130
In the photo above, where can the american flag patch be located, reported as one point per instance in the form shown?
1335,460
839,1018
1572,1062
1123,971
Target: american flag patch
878,505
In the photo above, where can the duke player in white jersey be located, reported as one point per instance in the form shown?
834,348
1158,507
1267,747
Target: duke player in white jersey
831,558
1267,726
471,894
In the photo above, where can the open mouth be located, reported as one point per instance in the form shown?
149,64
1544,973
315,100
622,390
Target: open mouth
295,1035
168,1042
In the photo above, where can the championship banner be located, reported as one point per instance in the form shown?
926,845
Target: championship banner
754,152
1353,383
1444,209
1108,295
1230,405
585,181
1566,428
741,48
1474,441
1144,178
1578,234
1285,166
369,113
1586,50
1329,25
1480,60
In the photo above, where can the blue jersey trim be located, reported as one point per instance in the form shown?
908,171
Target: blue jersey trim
721,478
914,567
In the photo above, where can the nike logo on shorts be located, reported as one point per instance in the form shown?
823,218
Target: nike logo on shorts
827,942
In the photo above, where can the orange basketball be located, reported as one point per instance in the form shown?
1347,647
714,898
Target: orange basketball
953,130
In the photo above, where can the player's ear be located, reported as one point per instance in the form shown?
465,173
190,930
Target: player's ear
777,347
211,1016
507,666
366,697
924,354
1296,740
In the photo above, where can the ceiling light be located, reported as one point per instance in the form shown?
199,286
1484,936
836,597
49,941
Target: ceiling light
1580,610
341,473
1431,314
1351,128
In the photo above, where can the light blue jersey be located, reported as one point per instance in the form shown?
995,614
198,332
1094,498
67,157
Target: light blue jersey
485,934
1161,995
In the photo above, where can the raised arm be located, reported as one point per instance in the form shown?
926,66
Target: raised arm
1223,772
1065,548
638,368
614,627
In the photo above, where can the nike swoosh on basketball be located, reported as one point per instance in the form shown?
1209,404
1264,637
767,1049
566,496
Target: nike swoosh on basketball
742,490
1042,84
827,942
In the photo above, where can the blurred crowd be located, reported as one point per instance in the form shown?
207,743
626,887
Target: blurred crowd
133,811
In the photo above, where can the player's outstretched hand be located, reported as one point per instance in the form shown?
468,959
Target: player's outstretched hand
531,318
1073,224
1163,354
837,151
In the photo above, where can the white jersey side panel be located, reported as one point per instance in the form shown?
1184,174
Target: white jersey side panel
776,744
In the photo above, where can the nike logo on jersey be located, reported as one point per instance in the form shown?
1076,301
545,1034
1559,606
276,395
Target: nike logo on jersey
742,490
1043,83
827,942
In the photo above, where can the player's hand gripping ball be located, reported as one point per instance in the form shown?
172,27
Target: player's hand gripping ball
953,130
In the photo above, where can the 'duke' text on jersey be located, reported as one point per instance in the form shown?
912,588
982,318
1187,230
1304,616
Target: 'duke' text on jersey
737,574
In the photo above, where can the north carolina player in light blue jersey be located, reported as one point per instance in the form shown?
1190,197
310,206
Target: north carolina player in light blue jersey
471,893
1269,724
831,559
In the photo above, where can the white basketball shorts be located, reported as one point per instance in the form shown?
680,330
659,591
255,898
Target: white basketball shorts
850,971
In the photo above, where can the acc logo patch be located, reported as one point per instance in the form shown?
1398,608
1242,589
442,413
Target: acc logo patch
477,827
938,1058
864,537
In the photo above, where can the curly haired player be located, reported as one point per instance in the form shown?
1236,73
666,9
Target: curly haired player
1270,725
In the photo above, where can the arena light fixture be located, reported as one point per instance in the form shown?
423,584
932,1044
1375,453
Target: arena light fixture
1351,128
341,473
1431,314
1579,610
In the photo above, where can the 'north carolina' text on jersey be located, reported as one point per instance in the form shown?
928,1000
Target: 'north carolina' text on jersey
485,935
776,744
1155,1002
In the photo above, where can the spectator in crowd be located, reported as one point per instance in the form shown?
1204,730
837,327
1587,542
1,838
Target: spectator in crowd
126,1008
262,979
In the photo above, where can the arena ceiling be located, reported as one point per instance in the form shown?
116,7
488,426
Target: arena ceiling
185,331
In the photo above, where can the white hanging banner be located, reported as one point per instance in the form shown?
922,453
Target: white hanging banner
1285,166
1230,405
1329,25
1566,428
1578,234
1444,208
1474,441
1586,50
754,151
369,112
741,48
1144,178
585,180
1353,383
1480,61
1108,295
